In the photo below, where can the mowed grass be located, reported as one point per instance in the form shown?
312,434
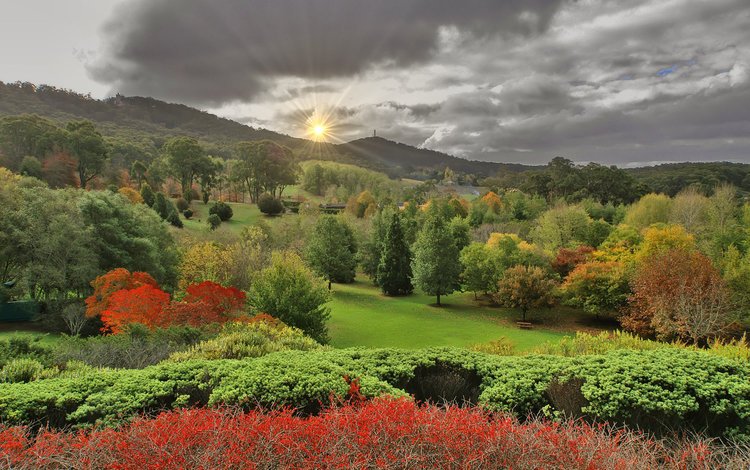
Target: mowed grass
243,215
362,316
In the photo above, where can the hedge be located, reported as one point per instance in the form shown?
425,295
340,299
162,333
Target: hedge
657,390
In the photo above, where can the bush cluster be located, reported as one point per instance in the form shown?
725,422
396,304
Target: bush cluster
222,209
384,434
656,390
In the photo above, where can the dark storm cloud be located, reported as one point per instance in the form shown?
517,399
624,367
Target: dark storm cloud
216,51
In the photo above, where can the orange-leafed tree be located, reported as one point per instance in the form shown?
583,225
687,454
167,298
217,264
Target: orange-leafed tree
144,304
679,294
111,282
221,303
567,259
493,202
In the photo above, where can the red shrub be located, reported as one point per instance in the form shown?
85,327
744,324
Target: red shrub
144,304
115,280
377,434
222,302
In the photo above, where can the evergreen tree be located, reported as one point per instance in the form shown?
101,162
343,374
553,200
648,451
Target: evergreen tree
394,271
436,264
331,250
148,195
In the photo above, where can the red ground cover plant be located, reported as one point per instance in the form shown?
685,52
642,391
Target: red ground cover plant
384,433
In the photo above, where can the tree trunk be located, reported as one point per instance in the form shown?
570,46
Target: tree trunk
438,299
329,284
523,314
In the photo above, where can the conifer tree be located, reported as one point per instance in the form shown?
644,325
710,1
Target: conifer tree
436,264
394,270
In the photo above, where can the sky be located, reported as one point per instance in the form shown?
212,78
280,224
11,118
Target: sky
627,82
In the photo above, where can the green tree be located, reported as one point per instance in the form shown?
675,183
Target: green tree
28,134
525,288
482,268
87,145
331,250
289,291
138,171
31,166
562,227
597,287
148,195
265,166
394,270
650,209
187,160
436,265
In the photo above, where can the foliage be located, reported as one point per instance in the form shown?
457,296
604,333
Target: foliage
131,195
331,250
289,291
88,147
214,221
385,434
562,227
482,268
265,166
187,160
658,239
679,294
567,259
525,288
658,390
361,204
219,303
149,198
244,340
144,305
394,270
182,204
597,287
107,284
223,210
269,205
25,370
436,265
650,209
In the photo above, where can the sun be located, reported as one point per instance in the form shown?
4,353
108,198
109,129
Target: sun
318,130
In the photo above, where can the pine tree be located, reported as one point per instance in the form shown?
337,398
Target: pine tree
436,265
394,269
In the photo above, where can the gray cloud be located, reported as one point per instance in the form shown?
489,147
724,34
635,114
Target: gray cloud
216,51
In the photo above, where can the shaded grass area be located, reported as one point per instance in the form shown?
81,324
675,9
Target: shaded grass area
47,339
362,316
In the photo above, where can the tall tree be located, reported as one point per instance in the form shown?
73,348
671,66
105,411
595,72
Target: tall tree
331,250
87,145
436,265
187,160
525,288
266,166
28,134
394,269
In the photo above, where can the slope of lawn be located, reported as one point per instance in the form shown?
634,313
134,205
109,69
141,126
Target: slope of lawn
244,214
361,316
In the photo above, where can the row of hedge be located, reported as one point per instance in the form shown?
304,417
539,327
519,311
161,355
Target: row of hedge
657,390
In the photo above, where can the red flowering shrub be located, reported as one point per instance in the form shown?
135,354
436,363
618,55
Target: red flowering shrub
378,434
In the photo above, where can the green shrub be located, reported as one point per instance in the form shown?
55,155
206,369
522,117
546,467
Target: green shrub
182,204
222,209
243,340
213,221
188,213
269,205
658,390
25,370
24,347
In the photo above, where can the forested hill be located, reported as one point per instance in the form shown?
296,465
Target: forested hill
396,158
143,120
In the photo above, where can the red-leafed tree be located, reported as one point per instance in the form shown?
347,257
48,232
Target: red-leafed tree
679,294
144,304
222,302
115,280
567,259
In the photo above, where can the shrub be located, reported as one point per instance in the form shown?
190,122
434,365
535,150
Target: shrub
149,198
214,221
242,340
269,205
187,213
182,204
223,210
131,195
386,434
23,347
24,370
659,390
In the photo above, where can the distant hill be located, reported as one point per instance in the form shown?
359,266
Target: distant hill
393,157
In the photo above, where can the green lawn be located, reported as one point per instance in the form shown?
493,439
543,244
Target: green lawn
48,339
244,214
361,316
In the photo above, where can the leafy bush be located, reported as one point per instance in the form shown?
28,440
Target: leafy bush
187,213
222,209
269,205
385,434
242,340
23,347
182,204
214,221
658,390
25,370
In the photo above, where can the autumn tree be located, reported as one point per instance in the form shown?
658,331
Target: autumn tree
88,147
331,250
679,294
525,288
394,270
436,264
111,282
206,261
144,305
597,287
568,258
650,209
